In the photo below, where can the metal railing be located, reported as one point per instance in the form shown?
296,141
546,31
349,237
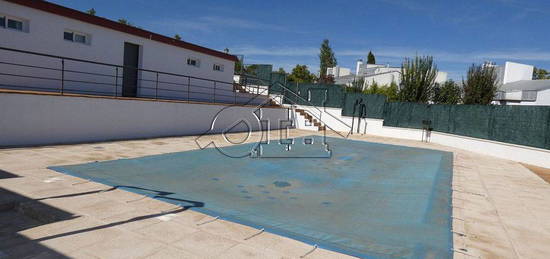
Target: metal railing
313,110
66,75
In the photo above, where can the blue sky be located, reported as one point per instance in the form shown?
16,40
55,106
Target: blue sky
286,33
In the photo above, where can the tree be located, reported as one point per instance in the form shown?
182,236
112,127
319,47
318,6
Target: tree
91,12
373,89
480,86
301,74
447,93
540,74
356,86
327,59
391,92
371,59
417,79
238,66
251,69
177,37
281,71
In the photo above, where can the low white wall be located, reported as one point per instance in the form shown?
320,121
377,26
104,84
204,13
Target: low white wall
524,154
27,119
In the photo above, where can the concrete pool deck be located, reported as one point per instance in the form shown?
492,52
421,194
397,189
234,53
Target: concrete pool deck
500,209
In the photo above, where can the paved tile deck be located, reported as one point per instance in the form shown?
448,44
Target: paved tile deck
500,210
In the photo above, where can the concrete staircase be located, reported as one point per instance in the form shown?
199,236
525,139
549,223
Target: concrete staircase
313,121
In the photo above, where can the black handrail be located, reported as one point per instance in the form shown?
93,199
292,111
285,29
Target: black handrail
110,65
151,86
285,89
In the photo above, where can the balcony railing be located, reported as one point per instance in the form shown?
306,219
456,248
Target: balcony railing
27,70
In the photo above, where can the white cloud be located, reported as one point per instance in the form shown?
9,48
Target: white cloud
401,52
211,23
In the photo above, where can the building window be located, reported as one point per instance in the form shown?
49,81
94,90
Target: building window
75,37
218,67
80,38
68,35
193,62
3,21
15,24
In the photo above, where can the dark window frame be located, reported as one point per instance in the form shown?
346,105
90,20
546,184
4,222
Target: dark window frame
220,67
66,34
16,22
74,35
193,62
84,37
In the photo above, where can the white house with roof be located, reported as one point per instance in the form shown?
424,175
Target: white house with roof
517,87
188,70
377,73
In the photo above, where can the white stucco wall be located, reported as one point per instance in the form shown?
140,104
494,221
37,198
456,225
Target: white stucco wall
524,154
515,72
27,119
45,35
515,98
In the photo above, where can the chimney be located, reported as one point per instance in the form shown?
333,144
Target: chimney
358,66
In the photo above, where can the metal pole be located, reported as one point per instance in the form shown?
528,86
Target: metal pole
116,81
188,86
62,76
214,91
157,87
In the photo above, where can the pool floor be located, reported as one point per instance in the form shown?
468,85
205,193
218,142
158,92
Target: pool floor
367,199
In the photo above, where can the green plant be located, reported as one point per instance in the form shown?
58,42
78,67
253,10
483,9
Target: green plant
326,59
356,86
391,92
125,22
372,89
301,74
417,79
540,74
480,86
447,93
91,11
371,59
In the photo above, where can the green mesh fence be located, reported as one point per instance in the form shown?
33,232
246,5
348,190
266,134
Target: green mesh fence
259,74
325,95
523,125
471,120
363,105
278,77
441,117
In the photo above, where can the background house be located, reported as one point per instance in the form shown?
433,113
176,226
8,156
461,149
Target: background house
517,87
375,73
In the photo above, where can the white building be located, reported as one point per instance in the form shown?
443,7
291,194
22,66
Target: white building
524,92
189,70
512,72
379,74
338,71
517,87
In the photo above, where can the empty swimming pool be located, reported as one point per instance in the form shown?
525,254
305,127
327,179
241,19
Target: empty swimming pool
368,199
